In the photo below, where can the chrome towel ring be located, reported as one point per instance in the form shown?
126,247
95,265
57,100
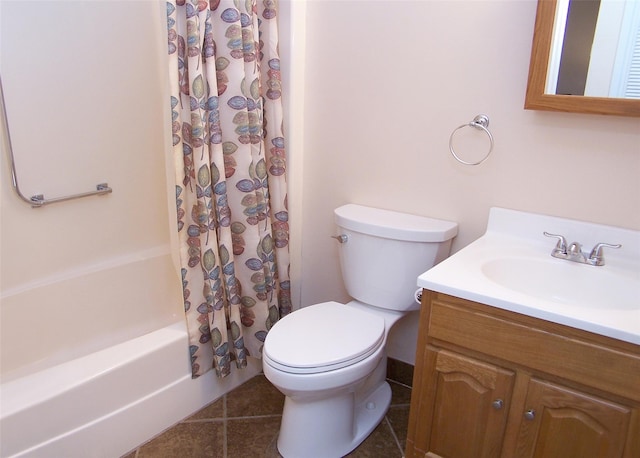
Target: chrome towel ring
479,122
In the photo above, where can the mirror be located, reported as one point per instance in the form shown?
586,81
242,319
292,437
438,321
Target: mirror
536,97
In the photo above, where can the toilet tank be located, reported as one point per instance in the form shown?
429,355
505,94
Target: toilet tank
385,252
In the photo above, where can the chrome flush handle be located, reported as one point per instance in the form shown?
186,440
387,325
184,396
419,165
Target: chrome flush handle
342,238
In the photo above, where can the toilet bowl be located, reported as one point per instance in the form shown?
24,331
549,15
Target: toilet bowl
329,359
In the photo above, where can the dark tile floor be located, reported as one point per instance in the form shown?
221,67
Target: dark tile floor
245,422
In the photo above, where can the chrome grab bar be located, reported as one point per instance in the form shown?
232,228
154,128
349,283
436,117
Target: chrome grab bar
38,200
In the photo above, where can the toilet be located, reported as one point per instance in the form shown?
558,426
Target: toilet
329,359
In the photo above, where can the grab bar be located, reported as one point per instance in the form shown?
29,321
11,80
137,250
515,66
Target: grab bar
38,200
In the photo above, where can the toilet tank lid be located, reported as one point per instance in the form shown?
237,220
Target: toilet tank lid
394,225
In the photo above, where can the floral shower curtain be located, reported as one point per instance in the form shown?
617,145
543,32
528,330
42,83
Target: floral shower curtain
230,164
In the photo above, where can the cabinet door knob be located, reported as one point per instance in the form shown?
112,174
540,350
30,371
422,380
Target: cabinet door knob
497,404
530,414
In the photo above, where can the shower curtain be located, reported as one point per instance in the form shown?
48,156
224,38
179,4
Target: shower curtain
230,164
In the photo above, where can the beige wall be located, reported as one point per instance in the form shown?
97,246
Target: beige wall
385,84
375,89
86,104
85,88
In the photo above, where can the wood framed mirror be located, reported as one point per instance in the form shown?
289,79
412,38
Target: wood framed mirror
537,99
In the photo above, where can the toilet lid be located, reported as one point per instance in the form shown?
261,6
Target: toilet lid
323,337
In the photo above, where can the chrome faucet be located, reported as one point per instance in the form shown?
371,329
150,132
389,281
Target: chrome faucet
574,251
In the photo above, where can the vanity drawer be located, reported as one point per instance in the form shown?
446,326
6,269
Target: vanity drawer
574,355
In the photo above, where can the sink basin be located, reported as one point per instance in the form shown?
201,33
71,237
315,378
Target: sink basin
511,267
565,282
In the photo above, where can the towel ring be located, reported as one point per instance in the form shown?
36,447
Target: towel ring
479,122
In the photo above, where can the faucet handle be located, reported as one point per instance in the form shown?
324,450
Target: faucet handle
596,257
561,246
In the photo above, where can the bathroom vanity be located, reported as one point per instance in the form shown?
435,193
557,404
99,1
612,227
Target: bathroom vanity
519,386
508,365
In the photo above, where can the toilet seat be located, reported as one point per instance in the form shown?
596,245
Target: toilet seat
323,337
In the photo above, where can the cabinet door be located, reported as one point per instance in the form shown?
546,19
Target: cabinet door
559,422
467,401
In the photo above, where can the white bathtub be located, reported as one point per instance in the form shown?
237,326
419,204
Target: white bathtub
93,351
101,391
85,308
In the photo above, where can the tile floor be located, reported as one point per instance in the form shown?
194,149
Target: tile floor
238,426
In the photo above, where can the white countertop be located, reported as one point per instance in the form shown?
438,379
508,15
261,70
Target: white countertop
514,235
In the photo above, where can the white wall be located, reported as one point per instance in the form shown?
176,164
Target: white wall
385,84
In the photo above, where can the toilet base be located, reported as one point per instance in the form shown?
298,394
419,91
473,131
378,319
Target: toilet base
330,428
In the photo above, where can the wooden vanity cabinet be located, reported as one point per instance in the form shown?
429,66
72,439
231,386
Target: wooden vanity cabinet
493,383
562,422
464,394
